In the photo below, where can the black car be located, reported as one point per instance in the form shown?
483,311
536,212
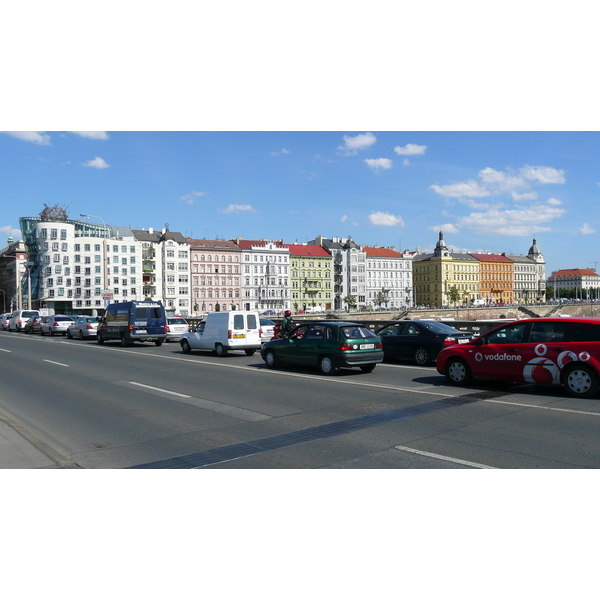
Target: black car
34,325
420,341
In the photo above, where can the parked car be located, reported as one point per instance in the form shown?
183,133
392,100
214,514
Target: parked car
176,326
225,331
19,318
56,324
552,351
83,327
4,321
267,327
34,325
326,345
420,341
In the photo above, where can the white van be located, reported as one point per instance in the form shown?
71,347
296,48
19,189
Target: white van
224,331
19,318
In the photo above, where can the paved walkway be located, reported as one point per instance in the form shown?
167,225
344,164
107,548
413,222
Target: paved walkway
17,453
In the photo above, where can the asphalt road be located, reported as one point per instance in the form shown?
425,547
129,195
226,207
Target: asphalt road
75,404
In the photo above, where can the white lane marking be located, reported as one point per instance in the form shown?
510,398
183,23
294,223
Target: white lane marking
3,350
445,458
55,363
569,410
159,389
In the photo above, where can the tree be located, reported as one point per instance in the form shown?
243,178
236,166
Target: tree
380,299
350,301
217,307
454,294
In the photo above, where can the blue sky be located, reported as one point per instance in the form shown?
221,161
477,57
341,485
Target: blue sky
488,191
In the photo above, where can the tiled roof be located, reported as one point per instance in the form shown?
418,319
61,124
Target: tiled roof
574,273
247,244
382,252
212,244
307,250
491,257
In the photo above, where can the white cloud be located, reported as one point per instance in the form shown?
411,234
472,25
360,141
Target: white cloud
554,201
37,137
237,208
384,219
520,222
525,196
446,228
379,163
586,229
478,205
469,188
282,151
92,135
97,163
543,174
410,149
359,142
406,162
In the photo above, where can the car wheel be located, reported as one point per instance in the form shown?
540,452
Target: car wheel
250,352
220,350
158,342
81,336
124,341
327,366
422,356
42,332
185,347
581,381
52,332
458,372
368,368
69,335
271,359
100,339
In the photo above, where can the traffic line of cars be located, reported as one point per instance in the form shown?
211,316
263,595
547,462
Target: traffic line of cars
544,351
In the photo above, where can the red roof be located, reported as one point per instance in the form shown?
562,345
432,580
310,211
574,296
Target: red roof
247,244
307,250
574,273
382,253
491,257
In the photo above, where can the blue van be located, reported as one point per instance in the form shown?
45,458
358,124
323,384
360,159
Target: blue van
133,322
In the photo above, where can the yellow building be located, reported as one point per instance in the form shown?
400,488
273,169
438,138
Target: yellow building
445,278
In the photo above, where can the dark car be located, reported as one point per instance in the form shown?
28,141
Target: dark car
34,325
552,351
326,345
420,341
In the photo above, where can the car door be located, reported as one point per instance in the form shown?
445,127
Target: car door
390,338
504,352
291,349
316,341
409,338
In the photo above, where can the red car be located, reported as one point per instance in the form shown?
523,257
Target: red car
560,351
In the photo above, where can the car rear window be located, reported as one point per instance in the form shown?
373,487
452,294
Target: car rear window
582,332
63,319
252,322
27,314
356,332
92,320
177,321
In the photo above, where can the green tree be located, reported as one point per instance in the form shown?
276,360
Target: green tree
350,301
454,294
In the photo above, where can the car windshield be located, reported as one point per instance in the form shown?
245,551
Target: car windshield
437,327
356,332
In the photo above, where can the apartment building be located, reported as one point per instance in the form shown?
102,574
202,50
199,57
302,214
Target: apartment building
216,275
389,277
496,276
311,277
529,275
586,282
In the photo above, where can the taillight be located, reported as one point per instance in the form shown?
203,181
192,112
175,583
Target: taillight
130,327
229,334
345,347
449,341
260,332
167,330
55,324
88,326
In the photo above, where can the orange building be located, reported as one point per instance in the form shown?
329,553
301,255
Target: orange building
496,273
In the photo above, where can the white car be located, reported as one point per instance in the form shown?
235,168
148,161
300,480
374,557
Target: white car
4,321
267,329
56,324
175,328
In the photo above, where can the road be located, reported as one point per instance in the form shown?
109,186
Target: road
76,404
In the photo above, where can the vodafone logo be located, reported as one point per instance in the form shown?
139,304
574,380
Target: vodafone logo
478,357
541,349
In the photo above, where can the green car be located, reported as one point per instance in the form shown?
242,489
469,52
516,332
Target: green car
326,345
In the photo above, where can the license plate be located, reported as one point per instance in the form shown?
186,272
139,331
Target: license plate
463,340
238,335
140,331
367,346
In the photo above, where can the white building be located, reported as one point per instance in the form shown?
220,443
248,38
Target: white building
265,275
529,275
389,277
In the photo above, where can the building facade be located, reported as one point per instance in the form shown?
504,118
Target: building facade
216,275
265,275
529,275
389,277
496,278
13,277
311,277
586,283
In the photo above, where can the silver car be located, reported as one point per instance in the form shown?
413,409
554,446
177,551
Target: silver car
83,328
176,326
267,329
4,321
56,324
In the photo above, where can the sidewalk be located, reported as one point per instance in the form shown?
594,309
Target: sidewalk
17,453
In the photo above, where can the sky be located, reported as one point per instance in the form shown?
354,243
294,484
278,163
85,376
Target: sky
487,191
